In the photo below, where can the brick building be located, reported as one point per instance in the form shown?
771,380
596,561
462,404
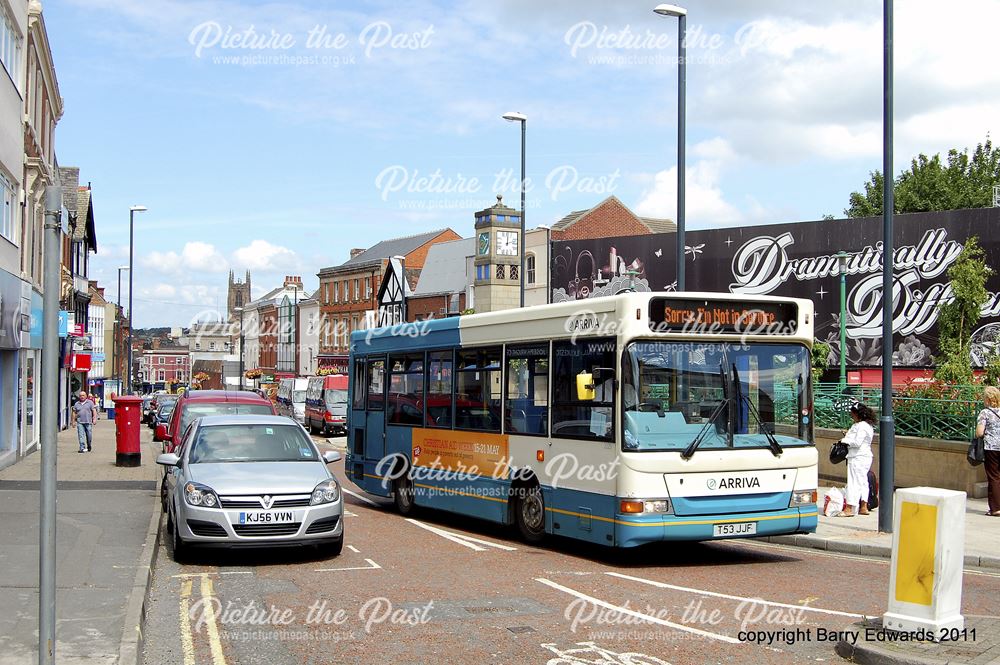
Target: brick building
608,219
347,293
165,365
268,337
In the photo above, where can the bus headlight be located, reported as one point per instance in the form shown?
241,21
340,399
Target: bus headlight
803,498
635,507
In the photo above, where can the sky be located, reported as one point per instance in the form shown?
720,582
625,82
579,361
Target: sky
274,136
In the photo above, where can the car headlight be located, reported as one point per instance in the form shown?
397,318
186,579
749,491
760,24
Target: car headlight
327,491
200,495
803,497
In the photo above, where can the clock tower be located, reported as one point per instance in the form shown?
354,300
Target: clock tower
498,258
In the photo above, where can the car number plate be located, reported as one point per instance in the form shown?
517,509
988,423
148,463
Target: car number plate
264,517
737,529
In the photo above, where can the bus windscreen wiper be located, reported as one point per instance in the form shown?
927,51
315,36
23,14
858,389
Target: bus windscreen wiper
689,451
772,441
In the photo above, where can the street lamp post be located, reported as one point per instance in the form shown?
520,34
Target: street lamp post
842,268
887,426
681,14
118,317
131,245
240,310
515,116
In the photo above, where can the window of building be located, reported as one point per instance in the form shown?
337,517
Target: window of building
161,375
439,388
336,292
211,346
529,268
10,47
590,419
500,271
357,288
7,226
197,346
526,409
368,288
478,388
406,390
180,360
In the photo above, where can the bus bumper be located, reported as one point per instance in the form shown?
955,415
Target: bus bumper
635,530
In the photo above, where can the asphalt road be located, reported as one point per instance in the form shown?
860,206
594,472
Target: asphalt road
441,588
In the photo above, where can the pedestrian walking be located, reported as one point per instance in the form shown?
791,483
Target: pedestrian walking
83,417
859,459
988,427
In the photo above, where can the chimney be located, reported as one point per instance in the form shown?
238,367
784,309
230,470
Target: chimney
355,252
293,282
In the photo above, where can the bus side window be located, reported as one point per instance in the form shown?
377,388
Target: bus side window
571,417
526,409
406,390
376,384
360,385
439,388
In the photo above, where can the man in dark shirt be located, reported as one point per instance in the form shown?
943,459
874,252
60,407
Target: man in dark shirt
84,413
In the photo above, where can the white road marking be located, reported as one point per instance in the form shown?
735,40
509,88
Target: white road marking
462,539
701,592
354,549
358,496
219,572
348,513
371,566
638,615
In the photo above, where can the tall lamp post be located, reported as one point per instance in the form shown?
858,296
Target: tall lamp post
240,310
118,317
842,268
131,249
887,426
516,116
681,14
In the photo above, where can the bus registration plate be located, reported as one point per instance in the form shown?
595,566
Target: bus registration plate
737,529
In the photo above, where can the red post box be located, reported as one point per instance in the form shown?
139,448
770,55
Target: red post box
128,423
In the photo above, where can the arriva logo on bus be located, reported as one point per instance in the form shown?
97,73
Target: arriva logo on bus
753,482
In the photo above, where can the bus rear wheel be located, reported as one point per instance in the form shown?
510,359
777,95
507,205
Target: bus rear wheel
529,513
402,494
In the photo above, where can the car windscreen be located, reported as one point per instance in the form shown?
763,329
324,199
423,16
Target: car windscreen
298,396
193,411
251,443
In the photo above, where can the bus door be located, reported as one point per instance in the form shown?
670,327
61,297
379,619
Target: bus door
374,435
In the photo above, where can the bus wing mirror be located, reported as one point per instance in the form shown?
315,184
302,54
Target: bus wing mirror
585,387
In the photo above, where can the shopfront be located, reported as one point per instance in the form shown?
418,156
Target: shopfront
10,348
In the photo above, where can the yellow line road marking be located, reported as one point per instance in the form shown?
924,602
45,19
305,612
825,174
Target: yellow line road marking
214,643
187,644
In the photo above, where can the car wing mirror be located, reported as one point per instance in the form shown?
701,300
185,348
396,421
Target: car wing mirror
331,456
168,459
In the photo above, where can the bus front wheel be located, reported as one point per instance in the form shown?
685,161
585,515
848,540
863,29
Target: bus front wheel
402,494
530,513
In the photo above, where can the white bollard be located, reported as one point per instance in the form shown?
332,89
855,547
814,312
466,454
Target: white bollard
928,552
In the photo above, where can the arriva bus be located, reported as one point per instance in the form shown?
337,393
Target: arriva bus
621,420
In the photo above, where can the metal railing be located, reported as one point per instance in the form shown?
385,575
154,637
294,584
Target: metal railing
951,417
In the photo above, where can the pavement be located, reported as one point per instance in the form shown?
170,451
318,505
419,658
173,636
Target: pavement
109,521
106,523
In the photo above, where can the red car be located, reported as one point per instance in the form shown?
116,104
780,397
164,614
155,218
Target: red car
196,403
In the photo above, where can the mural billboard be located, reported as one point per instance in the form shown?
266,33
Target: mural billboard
800,260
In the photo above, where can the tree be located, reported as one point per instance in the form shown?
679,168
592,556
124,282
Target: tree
965,182
820,359
958,317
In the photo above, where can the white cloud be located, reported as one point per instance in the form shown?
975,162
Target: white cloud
196,256
705,204
262,255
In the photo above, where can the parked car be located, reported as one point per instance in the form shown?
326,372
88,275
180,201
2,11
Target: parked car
326,405
163,416
154,407
197,403
291,399
251,481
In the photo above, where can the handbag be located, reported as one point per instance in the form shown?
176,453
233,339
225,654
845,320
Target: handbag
838,452
976,454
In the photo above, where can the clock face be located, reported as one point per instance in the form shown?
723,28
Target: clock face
506,243
484,244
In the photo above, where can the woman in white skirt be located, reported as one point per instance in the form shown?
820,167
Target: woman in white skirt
859,460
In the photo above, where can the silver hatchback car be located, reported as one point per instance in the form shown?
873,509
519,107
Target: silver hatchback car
251,481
